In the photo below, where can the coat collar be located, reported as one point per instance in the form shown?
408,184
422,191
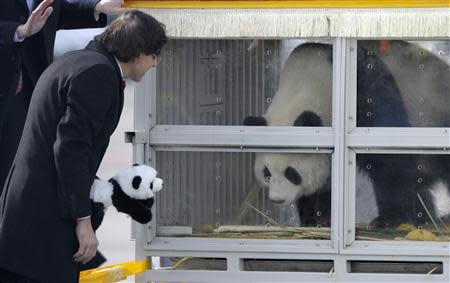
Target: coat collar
98,47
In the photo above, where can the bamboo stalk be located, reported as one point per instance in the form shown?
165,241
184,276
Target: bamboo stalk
429,214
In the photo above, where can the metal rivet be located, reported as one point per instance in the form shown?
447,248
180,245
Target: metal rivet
368,166
291,219
319,213
268,212
369,52
269,66
369,114
269,52
369,100
369,66
420,167
421,66
292,206
419,214
268,179
268,99
419,180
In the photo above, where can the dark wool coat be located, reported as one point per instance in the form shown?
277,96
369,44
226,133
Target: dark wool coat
74,109
31,56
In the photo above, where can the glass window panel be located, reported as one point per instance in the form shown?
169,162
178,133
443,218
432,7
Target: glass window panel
244,195
403,84
403,197
223,82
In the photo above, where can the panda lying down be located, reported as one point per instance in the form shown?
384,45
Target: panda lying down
403,86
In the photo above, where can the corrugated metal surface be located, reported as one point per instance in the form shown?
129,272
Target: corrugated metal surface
216,82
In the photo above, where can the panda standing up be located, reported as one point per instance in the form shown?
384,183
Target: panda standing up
399,86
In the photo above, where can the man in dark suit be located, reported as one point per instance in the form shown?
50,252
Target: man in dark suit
27,37
45,226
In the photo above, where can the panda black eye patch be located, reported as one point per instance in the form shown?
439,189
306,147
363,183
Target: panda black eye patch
293,176
136,182
266,173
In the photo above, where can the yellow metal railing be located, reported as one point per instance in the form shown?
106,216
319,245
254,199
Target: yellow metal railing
113,273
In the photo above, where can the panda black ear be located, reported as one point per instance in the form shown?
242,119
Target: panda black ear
255,121
136,182
308,119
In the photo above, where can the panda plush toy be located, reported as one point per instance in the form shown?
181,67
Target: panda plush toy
131,191
401,86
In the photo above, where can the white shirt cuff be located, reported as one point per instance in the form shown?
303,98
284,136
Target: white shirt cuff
16,38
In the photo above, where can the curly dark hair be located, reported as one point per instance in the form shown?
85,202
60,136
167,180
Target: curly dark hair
132,34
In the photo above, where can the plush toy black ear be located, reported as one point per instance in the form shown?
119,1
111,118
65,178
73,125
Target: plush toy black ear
308,119
255,121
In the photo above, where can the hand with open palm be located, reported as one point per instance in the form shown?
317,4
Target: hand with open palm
36,21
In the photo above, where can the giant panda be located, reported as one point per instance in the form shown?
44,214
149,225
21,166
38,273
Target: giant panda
398,85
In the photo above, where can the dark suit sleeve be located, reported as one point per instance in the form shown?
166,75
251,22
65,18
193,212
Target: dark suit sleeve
89,98
75,14
7,31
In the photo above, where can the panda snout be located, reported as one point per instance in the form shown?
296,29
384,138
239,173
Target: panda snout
136,182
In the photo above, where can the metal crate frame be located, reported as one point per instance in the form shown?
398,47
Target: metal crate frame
344,139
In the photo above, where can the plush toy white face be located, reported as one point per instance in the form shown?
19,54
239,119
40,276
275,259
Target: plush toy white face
290,176
139,182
